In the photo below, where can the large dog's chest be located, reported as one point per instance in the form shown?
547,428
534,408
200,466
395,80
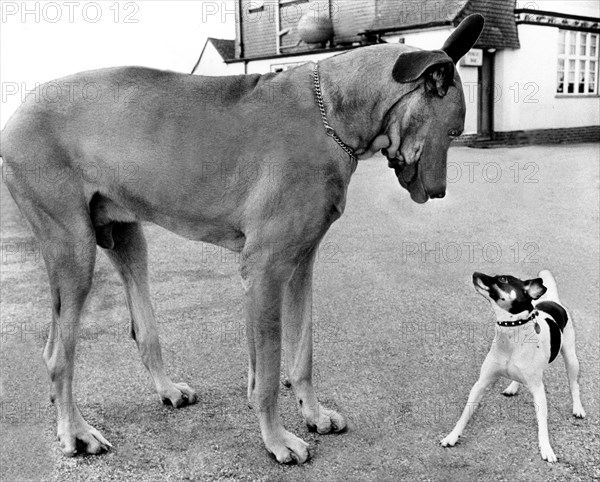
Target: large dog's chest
556,317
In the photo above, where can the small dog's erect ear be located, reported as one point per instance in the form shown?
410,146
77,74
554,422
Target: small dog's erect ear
434,64
534,288
464,37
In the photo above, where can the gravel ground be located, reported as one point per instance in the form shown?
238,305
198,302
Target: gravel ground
400,335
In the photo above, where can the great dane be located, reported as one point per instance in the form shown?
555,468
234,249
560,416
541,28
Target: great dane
127,145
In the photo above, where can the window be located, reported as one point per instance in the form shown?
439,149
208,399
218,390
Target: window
577,68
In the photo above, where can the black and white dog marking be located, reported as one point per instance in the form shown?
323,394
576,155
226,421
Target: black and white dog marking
533,327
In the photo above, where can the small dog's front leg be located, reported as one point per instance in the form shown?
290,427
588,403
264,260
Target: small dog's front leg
487,376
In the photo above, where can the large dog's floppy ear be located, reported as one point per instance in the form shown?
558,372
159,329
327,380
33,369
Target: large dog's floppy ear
435,63
464,37
438,65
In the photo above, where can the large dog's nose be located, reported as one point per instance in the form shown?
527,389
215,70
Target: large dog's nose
438,195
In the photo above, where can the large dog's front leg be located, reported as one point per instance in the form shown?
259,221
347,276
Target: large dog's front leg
264,284
298,347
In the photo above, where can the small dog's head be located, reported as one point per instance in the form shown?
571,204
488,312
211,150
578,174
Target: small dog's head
509,296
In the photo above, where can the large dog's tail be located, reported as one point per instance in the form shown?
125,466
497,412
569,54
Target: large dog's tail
550,283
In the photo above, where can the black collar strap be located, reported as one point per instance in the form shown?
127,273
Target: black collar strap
330,131
532,315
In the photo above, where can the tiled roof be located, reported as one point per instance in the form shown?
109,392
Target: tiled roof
393,14
500,29
226,48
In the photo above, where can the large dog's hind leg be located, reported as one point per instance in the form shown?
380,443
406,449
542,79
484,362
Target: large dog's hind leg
68,245
298,348
129,256
70,281
264,282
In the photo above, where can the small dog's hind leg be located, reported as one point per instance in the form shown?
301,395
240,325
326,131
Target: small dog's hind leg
512,389
541,411
572,365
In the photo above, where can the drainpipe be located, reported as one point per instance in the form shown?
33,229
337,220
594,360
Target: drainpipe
278,29
239,28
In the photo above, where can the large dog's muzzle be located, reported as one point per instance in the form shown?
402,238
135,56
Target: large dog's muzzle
411,177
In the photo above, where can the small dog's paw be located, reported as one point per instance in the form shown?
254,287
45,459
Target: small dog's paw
450,440
511,390
578,411
548,454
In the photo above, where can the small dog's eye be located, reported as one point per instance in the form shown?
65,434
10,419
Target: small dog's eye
454,133
502,279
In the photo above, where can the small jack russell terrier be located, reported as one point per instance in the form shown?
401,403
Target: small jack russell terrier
534,306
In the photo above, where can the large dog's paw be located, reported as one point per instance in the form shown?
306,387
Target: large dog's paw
547,453
450,440
286,447
323,420
78,437
178,395
578,411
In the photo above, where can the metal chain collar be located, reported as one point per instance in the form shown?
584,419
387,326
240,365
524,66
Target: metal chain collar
330,131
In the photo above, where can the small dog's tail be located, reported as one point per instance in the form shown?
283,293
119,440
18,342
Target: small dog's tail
550,283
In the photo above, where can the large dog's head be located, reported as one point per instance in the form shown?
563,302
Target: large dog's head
421,125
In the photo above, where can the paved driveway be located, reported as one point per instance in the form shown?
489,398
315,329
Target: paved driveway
400,335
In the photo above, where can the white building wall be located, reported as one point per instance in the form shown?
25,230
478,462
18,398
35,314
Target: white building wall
267,65
588,8
470,80
526,96
212,64
431,39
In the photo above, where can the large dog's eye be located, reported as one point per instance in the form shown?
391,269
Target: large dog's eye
454,132
502,279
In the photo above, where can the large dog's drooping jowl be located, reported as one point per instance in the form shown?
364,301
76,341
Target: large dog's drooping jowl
183,152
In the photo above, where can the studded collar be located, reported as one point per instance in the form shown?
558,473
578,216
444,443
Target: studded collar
531,316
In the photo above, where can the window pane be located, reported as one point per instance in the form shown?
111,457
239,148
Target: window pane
572,42
582,43
572,65
593,45
561,64
562,38
560,82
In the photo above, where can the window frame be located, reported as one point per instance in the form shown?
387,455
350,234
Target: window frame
576,70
